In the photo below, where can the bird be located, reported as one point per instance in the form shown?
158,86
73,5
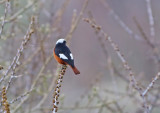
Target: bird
63,55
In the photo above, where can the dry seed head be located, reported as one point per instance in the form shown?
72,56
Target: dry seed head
31,31
56,97
116,48
59,77
55,93
33,18
98,28
58,90
53,100
93,26
1,67
86,20
131,74
57,82
54,106
57,102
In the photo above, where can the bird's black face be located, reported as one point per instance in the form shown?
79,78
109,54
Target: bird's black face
64,42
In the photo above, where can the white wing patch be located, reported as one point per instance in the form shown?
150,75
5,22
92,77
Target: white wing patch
60,41
71,56
62,56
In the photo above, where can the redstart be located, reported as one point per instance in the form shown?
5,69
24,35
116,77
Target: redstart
63,55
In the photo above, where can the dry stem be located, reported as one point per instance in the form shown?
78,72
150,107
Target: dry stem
5,15
57,89
4,101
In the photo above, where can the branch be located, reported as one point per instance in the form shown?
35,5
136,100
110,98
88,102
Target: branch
119,54
5,15
151,19
57,89
15,61
151,84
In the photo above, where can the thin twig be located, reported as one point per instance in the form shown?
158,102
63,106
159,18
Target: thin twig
133,81
151,44
76,21
15,61
121,23
20,97
21,11
151,19
5,15
120,55
143,34
35,82
151,84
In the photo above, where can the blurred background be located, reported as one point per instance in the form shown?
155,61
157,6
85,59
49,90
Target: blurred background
103,85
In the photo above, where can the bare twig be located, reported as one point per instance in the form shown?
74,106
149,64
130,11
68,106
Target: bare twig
34,83
151,44
21,11
120,55
151,84
20,97
5,15
151,19
133,81
144,34
15,61
121,23
76,21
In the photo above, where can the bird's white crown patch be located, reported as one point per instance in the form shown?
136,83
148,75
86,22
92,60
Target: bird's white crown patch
60,41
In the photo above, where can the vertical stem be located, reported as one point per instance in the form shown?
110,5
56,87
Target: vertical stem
57,89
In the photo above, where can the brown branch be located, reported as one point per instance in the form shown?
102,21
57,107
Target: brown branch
133,81
57,89
5,103
119,54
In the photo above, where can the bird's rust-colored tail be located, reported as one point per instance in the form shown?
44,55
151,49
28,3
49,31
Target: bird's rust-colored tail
75,70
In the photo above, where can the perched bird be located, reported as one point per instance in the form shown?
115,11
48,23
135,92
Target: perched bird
63,55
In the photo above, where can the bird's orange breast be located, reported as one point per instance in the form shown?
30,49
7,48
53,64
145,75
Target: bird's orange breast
58,59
